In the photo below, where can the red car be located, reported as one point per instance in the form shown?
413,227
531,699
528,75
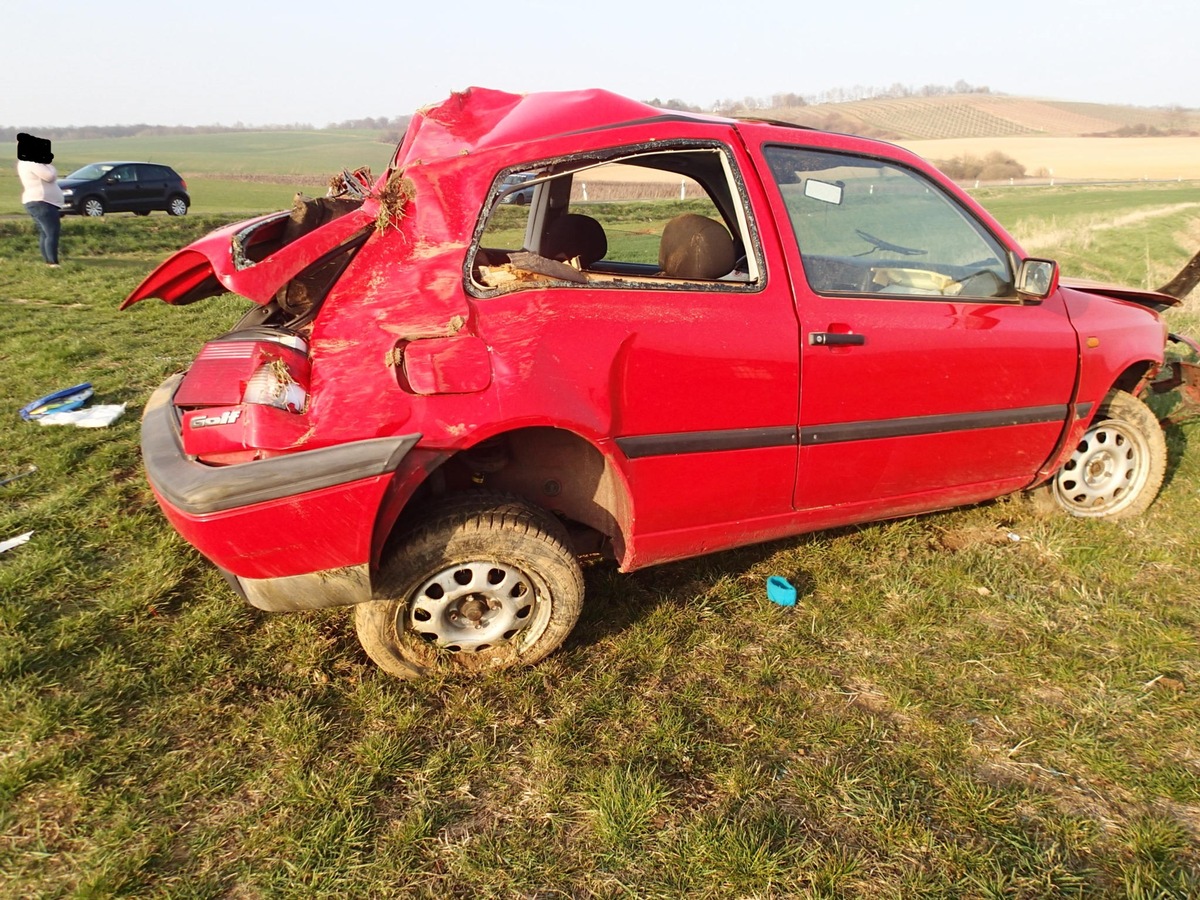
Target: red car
440,400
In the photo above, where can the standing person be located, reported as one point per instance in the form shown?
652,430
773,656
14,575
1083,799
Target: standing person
40,192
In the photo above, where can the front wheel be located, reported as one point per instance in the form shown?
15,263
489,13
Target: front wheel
93,207
486,581
1118,465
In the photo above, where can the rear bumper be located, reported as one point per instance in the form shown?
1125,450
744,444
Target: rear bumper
295,530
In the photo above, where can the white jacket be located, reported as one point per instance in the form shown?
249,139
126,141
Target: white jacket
39,182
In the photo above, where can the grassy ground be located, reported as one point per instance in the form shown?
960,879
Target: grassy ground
221,169
981,703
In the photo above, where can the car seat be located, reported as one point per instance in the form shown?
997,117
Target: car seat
573,235
695,246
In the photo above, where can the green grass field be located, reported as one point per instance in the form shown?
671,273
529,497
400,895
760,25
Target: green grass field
948,712
291,161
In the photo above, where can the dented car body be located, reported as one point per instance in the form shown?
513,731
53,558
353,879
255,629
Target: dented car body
441,399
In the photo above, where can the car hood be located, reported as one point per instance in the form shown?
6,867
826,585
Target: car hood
1153,299
235,258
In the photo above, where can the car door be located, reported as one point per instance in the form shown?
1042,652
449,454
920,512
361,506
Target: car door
692,375
121,189
925,381
152,187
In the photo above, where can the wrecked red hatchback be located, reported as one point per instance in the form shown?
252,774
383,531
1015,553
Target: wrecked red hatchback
440,401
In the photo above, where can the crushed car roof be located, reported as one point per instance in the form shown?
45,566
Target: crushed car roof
482,118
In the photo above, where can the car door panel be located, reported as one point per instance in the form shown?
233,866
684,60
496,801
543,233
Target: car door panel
939,395
915,392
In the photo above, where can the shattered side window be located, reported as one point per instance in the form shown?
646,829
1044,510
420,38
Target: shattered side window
506,228
649,219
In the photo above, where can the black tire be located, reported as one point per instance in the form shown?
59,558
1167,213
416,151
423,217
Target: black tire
141,212
92,207
1119,464
177,206
485,581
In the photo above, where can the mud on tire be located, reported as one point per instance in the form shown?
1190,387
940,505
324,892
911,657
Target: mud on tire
485,581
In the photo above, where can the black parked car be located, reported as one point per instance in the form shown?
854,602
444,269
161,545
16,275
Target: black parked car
136,187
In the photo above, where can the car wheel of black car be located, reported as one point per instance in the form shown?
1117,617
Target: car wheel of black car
141,212
485,581
177,206
1118,465
92,206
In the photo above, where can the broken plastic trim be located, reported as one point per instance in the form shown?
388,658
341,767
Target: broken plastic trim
1183,377
248,236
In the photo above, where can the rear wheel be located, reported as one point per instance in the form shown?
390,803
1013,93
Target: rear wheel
92,206
486,581
1118,465
177,206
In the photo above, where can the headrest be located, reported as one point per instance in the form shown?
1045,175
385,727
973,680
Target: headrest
574,235
694,246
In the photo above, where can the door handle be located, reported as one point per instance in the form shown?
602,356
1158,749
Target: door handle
834,339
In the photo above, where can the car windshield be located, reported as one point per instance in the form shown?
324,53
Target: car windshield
95,170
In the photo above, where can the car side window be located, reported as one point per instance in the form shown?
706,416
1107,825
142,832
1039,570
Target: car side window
659,219
864,226
125,174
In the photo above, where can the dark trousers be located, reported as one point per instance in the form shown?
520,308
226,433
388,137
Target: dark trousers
48,218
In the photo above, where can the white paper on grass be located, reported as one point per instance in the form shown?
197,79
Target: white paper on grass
20,539
90,417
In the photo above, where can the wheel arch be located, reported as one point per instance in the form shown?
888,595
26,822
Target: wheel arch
1136,377
554,468
1132,379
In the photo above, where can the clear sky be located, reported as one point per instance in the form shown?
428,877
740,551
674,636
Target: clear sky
66,62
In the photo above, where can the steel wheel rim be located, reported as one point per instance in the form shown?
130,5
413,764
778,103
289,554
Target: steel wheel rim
178,207
93,208
477,606
1106,472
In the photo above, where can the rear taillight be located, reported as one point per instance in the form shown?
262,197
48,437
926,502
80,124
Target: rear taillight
245,396
273,384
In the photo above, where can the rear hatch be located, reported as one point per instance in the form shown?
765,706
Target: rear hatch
245,396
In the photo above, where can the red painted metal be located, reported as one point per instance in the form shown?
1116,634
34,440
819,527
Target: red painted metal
403,346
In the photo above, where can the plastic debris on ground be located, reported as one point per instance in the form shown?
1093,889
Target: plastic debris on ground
20,539
780,591
69,407
25,474
59,401
92,417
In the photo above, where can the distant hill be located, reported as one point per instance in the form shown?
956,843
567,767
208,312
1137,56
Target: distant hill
986,115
